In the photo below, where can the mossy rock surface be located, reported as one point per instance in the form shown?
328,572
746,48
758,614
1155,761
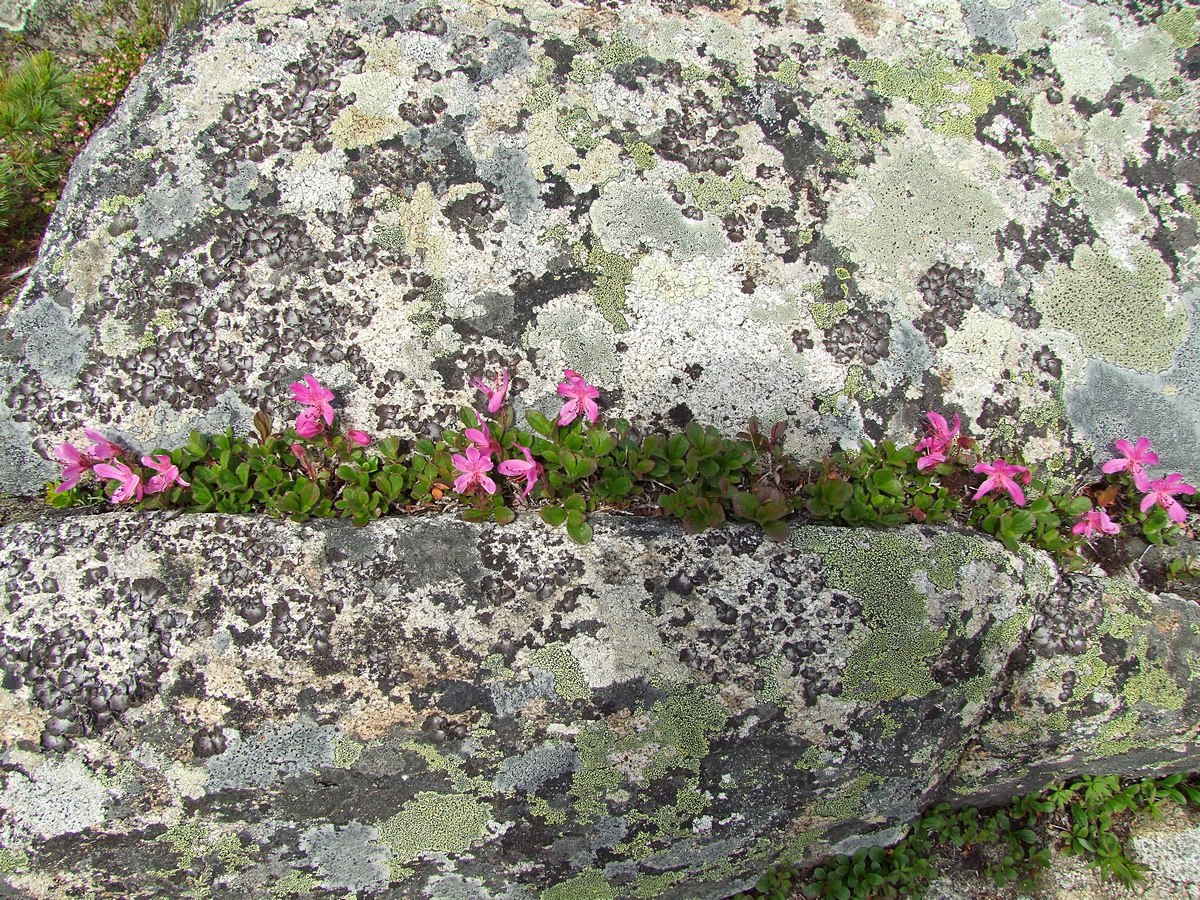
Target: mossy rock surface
837,216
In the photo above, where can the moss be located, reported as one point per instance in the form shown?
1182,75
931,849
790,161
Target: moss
1183,25
445,823
1118,314
891,664
569,682
590,885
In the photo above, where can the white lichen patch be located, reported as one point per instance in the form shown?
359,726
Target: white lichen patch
58,797
316,182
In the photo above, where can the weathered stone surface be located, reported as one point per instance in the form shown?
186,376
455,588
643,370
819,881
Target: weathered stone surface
836,215
426,708
1109,685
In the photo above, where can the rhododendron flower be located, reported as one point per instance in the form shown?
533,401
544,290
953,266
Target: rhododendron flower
102,448
131,483
168,474
582,399
495,395
1135,458
74,464
940,441
482,438
1162,491
529,469
358,437
299,452
312,394
1002,477
1095,520
473,465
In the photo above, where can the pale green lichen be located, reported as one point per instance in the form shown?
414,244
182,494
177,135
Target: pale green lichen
589,885
825,315
578,129
713,194
941,88
569,682
891,664
540,807
186,839
614,273
1183,25
117,202
443,823
12,860
648,885
1118,313
346,753
847,801
294,883
642,154
855,387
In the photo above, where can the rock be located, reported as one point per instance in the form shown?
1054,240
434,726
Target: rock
711,214
592,729
1109,685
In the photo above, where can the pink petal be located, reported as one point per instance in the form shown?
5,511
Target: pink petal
1148,501
463,483
1014,491
308,423
590,409
487,484
1176,513
988,486
568,413
1115,465
358,437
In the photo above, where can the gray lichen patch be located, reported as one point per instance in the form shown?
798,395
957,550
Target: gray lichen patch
60,796
273,753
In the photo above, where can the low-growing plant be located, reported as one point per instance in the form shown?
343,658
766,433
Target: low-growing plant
580,462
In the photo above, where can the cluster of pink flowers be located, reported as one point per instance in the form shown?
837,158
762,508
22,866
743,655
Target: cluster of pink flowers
103,459
936,447
318,412
476,461
1161,491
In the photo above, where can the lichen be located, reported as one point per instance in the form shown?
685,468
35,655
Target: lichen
1118,313
444,823
891,664
569,682
589,885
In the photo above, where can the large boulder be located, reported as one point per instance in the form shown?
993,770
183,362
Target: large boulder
838,216
428,708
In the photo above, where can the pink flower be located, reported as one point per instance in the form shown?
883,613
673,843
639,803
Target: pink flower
299,452
473,467
529,469
131,484
102,447
1095,520
582,399
1001,477
482,439
74,464
358,437
1135,459
495,395
1162,492
312,394
940,441
168,474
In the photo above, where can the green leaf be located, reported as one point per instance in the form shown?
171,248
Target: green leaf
580,532
575,501
776,530
503,515
677,447
575,517
886,481
539,423
1078,506
602,443
553,515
